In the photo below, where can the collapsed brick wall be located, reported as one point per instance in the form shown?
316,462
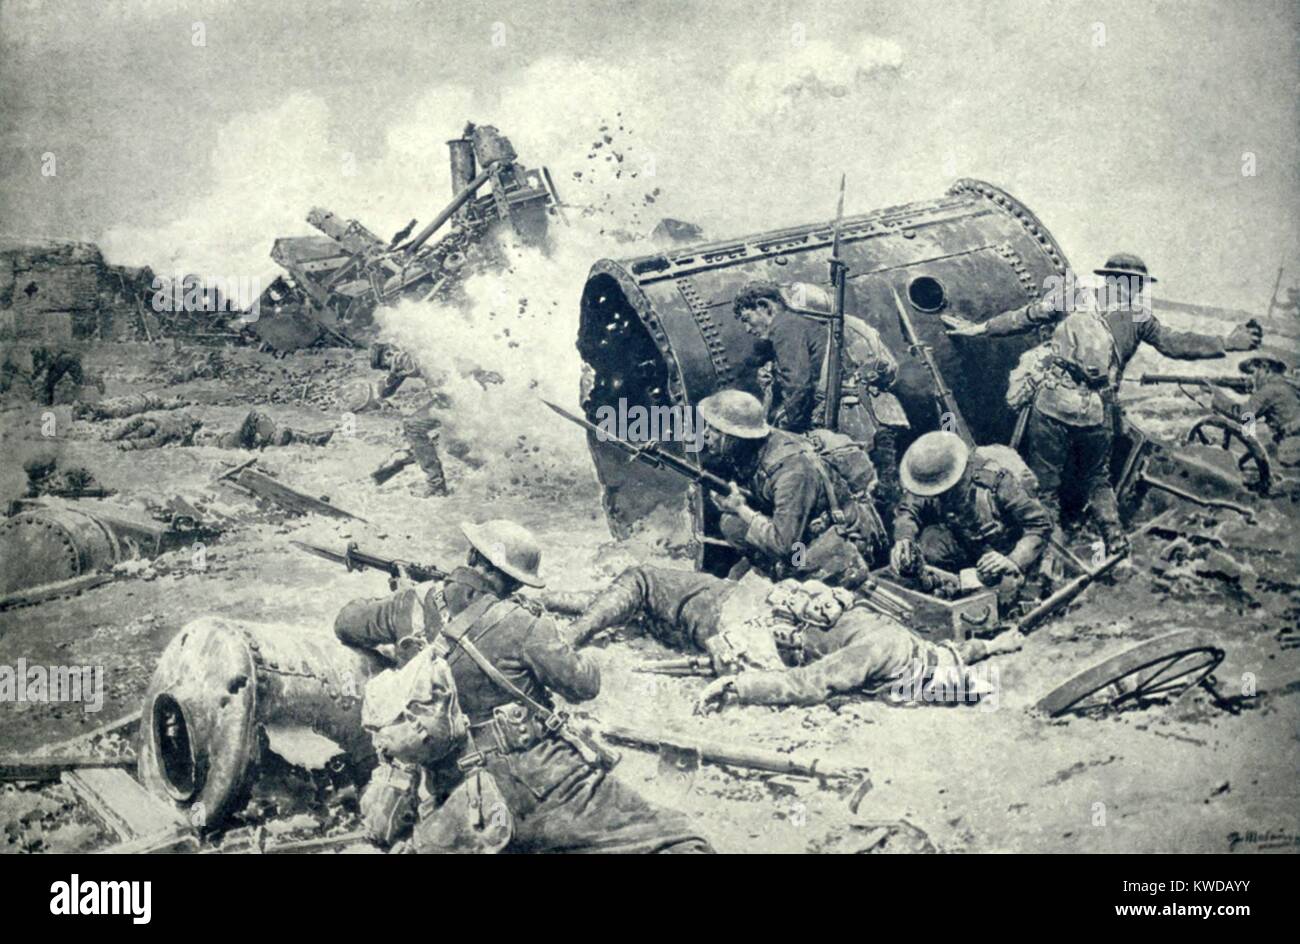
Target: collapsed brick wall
61,291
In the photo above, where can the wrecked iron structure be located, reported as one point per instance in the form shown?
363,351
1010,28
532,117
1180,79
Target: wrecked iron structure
51,547
338,279
974,252
228,693
658,331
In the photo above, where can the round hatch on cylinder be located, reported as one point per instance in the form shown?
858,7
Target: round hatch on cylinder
926,294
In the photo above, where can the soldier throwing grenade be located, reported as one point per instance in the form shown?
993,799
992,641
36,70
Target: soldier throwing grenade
1074,414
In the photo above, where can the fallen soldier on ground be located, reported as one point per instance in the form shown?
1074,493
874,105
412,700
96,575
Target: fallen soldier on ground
153,431
259,430
834,646
119,408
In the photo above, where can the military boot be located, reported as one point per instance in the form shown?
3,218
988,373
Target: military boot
422,437
1105,510
613,606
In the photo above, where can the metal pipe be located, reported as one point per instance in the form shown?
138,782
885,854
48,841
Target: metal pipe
457,202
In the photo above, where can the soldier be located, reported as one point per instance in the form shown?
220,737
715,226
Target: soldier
965,508
867,653
259,430
1275,400
808,519
1074,416
155,430
420,429
506,657
44,477
133,404
49,367
794,320
683,609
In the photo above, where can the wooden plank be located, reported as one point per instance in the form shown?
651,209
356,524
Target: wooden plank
121,804
51,591
263,486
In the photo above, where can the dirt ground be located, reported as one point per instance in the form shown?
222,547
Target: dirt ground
990,778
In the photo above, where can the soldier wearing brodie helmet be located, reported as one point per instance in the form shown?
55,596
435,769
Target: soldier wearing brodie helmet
968,508
523,778
1072,397
812,514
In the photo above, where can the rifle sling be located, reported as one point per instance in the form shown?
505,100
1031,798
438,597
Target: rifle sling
458,633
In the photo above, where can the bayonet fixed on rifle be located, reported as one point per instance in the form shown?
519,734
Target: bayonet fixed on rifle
652,454
1239,384
835,358
947,402
353,558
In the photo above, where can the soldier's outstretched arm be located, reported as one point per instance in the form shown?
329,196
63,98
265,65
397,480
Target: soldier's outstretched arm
1046,310
840,673
1180,345
557,665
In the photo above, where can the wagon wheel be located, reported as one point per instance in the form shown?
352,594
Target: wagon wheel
1160,669
1229,434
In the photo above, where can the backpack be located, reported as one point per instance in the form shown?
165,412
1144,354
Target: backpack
412,713
840,458
844,459
1082,342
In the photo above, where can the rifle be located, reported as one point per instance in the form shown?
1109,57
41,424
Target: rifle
835,352
1069,591
947,402
1239,384
652,455
750,758
353,558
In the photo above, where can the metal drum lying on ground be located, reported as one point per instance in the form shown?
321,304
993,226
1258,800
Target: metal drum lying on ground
224,690
659,330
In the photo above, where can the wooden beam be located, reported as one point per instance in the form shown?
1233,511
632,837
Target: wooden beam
122,804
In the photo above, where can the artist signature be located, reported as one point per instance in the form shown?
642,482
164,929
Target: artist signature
1265,840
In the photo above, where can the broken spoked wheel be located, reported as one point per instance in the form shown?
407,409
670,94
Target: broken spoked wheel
1163,669
1252,459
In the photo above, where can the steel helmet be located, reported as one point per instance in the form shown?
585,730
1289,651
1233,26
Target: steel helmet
1254,363
934,463
1126,263
735,413
509,547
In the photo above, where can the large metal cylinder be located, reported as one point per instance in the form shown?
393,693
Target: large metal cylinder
46,545
659,330
221,690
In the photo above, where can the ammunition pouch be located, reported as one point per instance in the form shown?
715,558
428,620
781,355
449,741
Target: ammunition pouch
388,803
474,818
1081,376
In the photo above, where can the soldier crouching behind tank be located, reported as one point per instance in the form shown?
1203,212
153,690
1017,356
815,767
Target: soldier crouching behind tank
967,508
807,518
521,778
793,322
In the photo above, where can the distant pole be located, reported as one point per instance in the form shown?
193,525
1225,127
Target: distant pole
1272,299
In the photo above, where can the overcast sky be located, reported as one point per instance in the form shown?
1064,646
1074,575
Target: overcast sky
190,134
